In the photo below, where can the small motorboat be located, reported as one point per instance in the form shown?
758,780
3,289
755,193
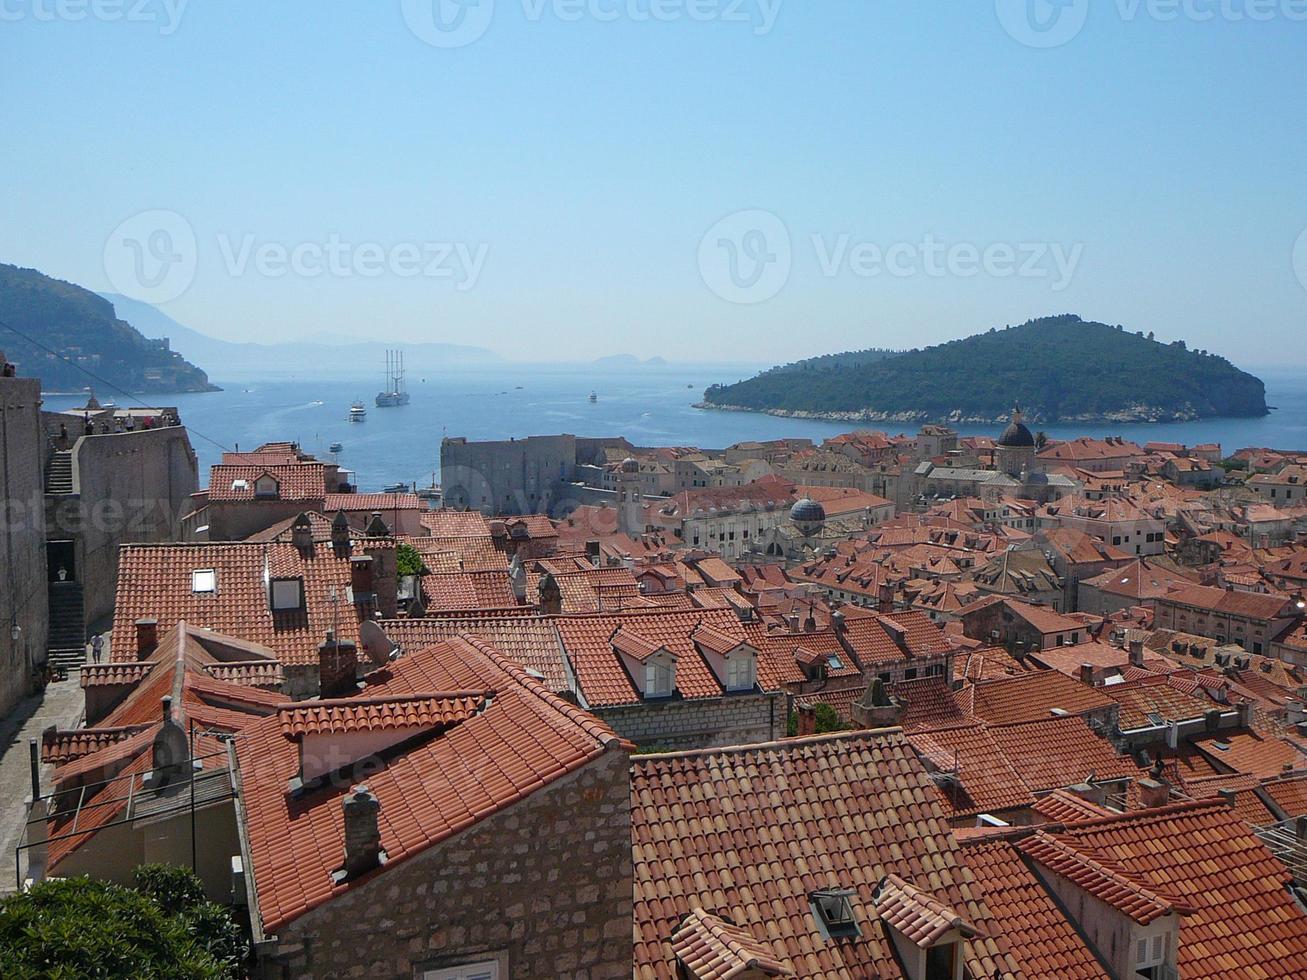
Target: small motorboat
594,397
335,447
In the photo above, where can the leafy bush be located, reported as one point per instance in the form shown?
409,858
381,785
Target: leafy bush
410,562
79,927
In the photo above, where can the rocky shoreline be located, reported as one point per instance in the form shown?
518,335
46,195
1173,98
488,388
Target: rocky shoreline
1131,414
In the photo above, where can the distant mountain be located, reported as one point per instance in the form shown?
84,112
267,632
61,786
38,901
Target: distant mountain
326,354
1060,369
629,360
72,339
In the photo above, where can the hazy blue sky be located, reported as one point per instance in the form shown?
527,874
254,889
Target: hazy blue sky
1147,171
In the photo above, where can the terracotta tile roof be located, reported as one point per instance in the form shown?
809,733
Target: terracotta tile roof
1250,752
1101,878
381,713
1037,932
1240,790
600,673
60,747
928,702
970,773
474,554
1060,752
1032,697
1139,580
1144,702
467,591
754,830
524,739
155,581
713,949
1062,805
296,481
106,758
382,503
456,524
1253,605
249,673
1289,793
528,640
880,639
1245,924
113,674
918,915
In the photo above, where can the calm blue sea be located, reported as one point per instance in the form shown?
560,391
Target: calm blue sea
648,405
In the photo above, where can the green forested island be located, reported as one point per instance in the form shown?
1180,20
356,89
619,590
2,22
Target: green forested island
1060,369
69,338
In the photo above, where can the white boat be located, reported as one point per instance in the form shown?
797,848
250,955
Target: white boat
594,397
358,412
396,392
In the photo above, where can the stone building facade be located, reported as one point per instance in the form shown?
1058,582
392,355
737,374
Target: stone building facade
540,889
126,487
673,725
535,475
24,627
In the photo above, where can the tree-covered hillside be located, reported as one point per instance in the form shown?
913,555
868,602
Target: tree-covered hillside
46,323
1057,368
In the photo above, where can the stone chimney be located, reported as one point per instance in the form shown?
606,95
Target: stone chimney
1154,793
337,667
301,535
1136,653
592,552
878,708
1087,674
1090,792
147,637
551,597
340,534
1212,720
885,598
360,577
1228,796
363,850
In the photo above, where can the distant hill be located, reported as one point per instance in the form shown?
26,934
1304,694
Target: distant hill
629,360
1058,368
327,354
58,332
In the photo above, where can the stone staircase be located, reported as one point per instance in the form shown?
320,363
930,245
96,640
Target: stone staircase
67,644
59,472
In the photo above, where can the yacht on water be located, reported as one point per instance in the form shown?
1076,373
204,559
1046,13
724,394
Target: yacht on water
358,412
396,392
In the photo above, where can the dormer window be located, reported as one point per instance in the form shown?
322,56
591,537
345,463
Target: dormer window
267,487
658,680
204,581
833,910
287,594
741,671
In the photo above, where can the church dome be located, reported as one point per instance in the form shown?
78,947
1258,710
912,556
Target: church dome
1016,435
807,511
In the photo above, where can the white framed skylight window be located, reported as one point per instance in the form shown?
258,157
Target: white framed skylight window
204,580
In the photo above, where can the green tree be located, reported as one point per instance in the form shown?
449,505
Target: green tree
79,927
409,560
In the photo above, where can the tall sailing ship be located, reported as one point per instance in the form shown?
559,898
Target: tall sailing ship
396,392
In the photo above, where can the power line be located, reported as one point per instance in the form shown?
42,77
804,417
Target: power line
104,381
